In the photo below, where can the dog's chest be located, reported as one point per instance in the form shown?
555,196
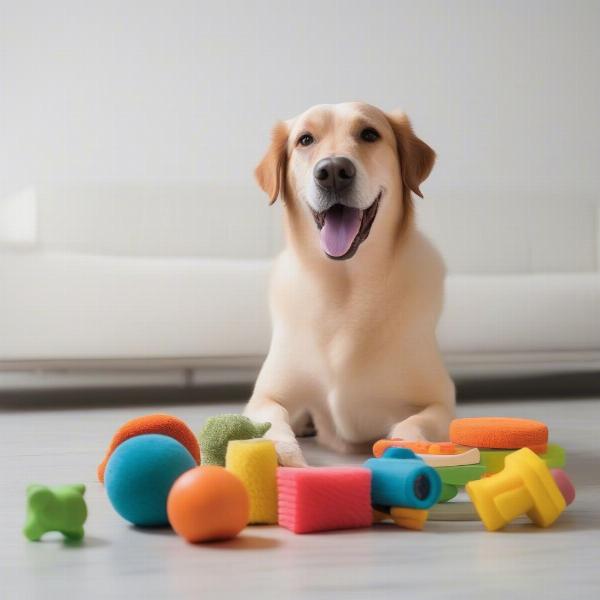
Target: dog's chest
360,363
351,341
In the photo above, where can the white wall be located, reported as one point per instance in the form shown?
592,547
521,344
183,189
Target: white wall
507,93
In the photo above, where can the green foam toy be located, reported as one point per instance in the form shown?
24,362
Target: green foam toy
61,508
493,460
454,478
219,431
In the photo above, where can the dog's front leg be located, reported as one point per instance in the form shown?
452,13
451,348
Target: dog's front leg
263,408
430,424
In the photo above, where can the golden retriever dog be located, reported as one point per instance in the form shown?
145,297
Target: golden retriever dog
356,294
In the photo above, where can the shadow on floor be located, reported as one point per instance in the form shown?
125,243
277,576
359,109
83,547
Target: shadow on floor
546,387
61,399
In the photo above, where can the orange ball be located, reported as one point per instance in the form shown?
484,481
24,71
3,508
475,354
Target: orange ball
208,503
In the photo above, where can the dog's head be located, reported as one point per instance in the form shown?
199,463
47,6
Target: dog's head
346,164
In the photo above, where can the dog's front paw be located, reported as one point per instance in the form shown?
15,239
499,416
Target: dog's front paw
290,454
407,431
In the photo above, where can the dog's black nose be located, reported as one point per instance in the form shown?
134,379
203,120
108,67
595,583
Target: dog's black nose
334,173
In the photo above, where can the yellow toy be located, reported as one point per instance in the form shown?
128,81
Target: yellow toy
255,463
407,518
526,485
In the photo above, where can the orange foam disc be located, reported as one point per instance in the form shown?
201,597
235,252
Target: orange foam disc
500,432
156,423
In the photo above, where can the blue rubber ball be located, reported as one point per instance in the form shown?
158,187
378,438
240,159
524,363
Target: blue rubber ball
139,476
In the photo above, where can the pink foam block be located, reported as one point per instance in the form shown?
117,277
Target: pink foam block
324,498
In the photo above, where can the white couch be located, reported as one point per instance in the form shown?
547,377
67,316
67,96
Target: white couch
125,284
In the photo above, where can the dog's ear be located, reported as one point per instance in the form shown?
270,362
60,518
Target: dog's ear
416,157
271,171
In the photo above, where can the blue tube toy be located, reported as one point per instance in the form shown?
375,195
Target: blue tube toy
400,478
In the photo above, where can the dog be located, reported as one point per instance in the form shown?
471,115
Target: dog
356,294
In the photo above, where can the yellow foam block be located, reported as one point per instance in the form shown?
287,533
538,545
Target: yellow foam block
255,463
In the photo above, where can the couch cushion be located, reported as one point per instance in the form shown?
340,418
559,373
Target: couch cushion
76,307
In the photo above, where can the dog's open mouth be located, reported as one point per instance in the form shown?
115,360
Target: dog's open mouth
344,228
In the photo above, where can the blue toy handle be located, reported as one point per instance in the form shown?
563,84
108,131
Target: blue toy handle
400,453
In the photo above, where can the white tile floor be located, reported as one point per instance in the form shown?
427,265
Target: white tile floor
447,560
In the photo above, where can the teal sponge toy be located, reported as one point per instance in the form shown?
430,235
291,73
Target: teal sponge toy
139,476
219,431
400,478
60,508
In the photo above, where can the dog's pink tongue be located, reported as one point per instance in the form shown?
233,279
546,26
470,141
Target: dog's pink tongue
342,224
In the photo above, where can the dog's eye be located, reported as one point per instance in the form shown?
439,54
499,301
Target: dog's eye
306,139
369,135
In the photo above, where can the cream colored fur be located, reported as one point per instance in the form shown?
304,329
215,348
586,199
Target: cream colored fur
354,346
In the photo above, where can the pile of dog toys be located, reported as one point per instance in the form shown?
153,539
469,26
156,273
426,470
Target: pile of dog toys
157,472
